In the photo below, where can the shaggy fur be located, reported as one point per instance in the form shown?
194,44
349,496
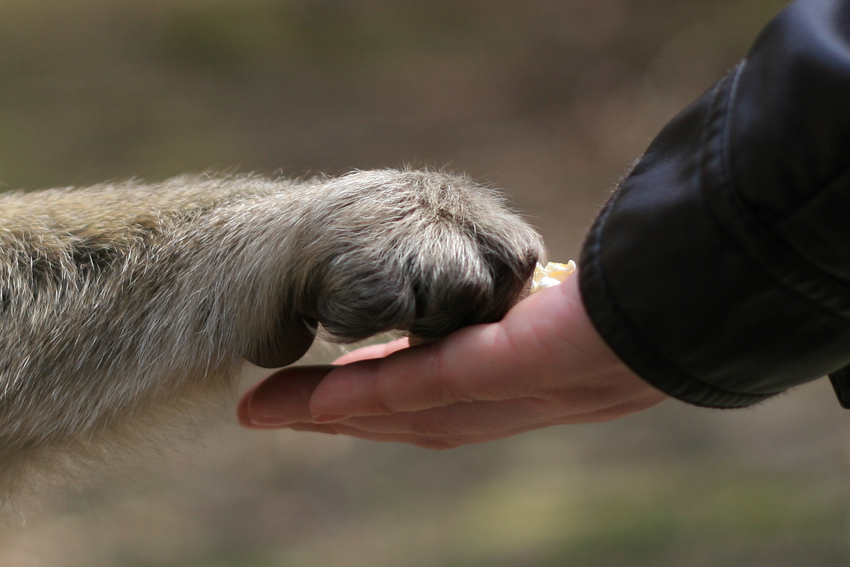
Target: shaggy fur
119,302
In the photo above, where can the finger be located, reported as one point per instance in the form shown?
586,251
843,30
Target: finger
465,419
373,351
513,358
282,398
495,418
311,427
490,420
545,344
418,440
414,379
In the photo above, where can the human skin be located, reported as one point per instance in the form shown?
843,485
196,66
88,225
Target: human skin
544,364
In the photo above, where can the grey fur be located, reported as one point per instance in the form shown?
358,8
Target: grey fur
117,301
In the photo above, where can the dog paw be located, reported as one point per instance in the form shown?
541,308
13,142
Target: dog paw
421,252
432,252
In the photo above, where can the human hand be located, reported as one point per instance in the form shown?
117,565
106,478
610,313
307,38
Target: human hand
544,364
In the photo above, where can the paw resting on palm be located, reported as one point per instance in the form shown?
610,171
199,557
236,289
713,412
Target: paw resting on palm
417,251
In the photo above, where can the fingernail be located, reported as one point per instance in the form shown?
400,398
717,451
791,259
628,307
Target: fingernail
328,418
283,398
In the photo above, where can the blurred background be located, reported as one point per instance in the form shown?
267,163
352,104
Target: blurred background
551,100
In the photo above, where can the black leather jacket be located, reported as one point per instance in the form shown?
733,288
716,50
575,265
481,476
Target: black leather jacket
719,271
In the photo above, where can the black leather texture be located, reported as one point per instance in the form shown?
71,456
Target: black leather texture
720,269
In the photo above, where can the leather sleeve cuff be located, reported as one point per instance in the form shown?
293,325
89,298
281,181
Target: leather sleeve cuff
692,291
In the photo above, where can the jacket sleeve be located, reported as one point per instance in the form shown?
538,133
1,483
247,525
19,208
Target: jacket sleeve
719,271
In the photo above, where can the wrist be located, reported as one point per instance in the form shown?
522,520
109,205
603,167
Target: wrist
597,351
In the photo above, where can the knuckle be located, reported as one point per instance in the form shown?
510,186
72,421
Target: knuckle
447,391
430,428
389,391
385,387
548,405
